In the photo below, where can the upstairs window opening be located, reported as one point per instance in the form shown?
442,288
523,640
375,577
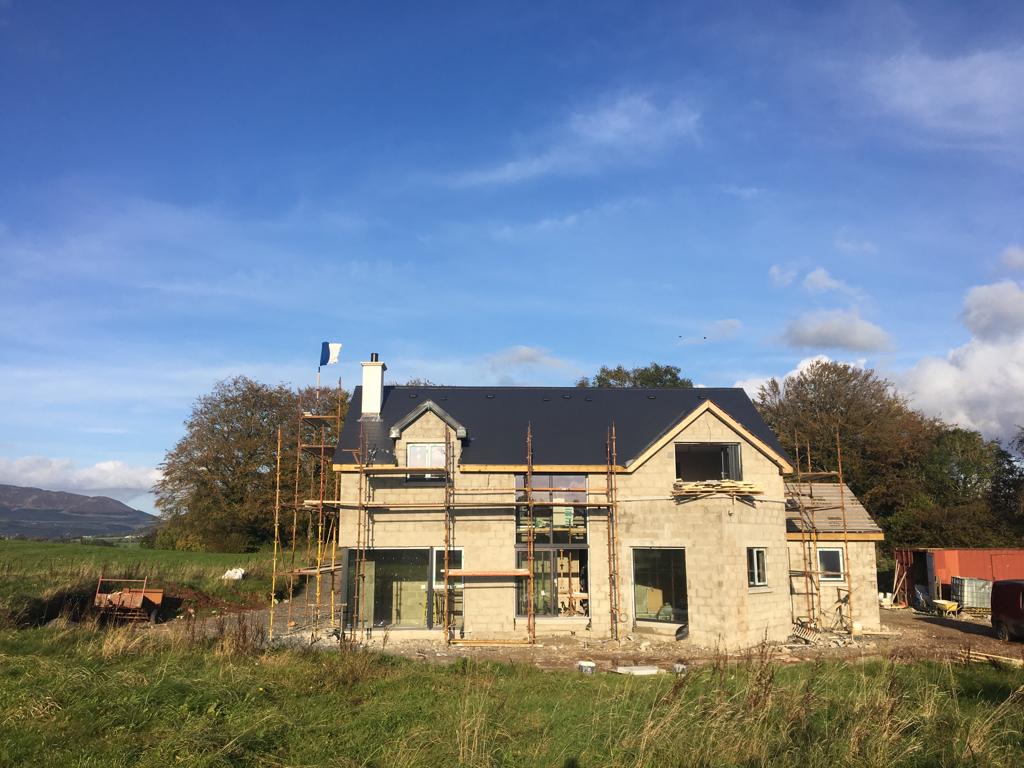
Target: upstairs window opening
426,456
701,462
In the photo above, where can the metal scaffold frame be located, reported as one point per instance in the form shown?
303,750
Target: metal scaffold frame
321,552
323,532
810,536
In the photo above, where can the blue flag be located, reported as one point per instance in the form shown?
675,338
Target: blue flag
329,352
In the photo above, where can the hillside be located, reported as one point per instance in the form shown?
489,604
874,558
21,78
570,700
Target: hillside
36,513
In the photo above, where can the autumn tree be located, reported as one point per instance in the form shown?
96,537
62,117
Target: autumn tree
927,483
653,376
218,484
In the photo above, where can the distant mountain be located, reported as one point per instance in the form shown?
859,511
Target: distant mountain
35,513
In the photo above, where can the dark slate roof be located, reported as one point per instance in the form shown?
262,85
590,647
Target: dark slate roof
569,423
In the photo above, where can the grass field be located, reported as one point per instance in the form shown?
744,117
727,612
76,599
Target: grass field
39,579
120,697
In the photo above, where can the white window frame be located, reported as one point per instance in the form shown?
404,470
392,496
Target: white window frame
752,552
431,447
842,565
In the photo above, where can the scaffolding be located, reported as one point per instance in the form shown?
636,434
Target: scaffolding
800,489
314,452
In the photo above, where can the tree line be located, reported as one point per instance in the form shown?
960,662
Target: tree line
925,481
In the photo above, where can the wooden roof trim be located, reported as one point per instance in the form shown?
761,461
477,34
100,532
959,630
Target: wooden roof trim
834,536
709,407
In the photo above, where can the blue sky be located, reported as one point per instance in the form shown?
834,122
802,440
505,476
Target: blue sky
496,193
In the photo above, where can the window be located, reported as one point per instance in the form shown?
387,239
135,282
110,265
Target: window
659,585
830,564
426,455
456,593
757,567
560,583
395,585
699,462
401,588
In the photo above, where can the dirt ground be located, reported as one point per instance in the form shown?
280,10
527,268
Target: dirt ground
906,635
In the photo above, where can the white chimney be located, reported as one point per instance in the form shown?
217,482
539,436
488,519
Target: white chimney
373,386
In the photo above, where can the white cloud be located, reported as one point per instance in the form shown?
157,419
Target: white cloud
627,129
744,193
992,311
781,276
1013,257
973,99
112,478
820,281
754,383
979,385
836,329
849,245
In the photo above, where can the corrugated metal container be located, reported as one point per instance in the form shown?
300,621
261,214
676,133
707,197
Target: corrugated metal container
971,593
934,569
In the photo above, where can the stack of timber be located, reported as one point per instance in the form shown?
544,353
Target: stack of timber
710,487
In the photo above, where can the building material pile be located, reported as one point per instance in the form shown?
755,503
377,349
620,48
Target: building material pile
709,487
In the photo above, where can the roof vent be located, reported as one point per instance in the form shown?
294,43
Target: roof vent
489,397
567,397
546,399
652,397
413,395
588,398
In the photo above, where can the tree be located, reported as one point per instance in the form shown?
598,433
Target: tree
217,490
653,376
882,439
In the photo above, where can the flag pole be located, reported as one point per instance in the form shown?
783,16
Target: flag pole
318,383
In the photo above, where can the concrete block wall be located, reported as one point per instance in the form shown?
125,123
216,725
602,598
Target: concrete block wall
715,533
833,595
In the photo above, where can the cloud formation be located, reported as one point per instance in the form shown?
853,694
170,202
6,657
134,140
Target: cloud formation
628,129
980,384
994,311
972,99
836,329
820,281
1013,257
112,478
781,276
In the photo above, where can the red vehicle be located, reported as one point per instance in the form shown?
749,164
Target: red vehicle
1008,608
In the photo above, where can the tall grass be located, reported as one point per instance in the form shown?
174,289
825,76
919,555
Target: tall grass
80,696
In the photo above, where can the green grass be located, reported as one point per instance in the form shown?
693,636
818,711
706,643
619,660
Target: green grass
87,697
38,578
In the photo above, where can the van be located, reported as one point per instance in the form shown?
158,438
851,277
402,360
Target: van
1008,608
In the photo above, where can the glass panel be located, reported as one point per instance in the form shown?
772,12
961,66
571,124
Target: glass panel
395,587
659,584
757,570
553,488
830,563
544,603
424,455
455,588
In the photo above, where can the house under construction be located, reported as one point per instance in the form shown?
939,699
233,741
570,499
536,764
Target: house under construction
492,515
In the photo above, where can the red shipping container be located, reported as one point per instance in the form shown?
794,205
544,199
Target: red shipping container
941,565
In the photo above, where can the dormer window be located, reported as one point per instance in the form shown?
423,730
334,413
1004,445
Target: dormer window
703,462
425,456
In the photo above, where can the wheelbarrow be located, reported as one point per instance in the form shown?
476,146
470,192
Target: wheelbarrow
946,607
129,603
